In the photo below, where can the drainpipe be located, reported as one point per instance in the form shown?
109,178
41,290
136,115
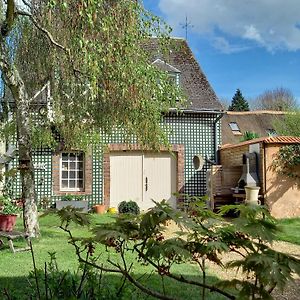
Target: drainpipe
216,136
264,173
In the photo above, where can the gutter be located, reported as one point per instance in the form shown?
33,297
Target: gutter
216,135
197,111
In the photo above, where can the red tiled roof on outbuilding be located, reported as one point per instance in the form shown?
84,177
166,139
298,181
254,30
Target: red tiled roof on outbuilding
266,140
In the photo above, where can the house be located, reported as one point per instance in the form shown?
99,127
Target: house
280,193
261,122
127,171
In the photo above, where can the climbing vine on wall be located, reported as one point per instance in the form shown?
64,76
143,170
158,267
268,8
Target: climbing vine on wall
287,161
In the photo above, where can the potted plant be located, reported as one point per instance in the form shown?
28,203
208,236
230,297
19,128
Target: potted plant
8,214
129,207
75,201
99,208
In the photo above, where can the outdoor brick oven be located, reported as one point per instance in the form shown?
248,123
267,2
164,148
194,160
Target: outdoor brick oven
281,193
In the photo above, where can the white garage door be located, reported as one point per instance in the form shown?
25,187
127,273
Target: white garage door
142,177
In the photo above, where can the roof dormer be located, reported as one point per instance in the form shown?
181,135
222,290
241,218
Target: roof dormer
174,73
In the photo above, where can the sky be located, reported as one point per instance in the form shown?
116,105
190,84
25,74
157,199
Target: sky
253,45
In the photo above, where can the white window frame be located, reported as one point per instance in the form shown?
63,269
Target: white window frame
175,77
76,170
235,128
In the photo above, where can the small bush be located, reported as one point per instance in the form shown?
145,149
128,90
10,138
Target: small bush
128,207
67,198
249,135
86,283
71,198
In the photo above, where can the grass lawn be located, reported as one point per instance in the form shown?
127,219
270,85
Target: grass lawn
290,230
14,268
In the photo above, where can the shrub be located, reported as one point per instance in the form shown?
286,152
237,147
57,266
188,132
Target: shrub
71,198
249,135
7,207
287,161
130,207
67,198
86,283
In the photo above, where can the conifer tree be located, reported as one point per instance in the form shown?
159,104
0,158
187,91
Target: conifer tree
238,103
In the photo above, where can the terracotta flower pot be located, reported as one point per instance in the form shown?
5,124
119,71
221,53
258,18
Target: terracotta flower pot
7,222
100,208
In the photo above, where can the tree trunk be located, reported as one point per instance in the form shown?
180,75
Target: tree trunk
22,110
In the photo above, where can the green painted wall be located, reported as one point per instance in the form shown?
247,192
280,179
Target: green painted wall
195,131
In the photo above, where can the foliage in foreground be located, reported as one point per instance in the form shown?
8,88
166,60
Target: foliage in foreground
290,230
206,237
86,283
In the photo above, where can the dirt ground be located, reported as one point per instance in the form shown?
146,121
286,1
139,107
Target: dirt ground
292,290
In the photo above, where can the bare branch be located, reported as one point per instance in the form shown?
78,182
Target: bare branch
26,4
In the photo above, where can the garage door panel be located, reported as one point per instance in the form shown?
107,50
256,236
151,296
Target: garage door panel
126,179
160,171
142,177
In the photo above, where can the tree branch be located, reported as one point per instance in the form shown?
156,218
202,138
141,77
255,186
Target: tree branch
183,279
44,30
118,269
50,37
26,4
8,23
139,285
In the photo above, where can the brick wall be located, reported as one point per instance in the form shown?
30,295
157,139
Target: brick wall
233,156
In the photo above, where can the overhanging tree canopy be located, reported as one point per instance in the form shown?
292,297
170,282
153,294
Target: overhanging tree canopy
101,79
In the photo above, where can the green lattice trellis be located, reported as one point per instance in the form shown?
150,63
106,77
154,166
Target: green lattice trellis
195,131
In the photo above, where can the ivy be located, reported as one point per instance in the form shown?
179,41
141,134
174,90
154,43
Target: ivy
287,160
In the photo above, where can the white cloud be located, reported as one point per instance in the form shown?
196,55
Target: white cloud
273,24
252,33
224,46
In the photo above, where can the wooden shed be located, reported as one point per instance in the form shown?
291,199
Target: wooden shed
280,193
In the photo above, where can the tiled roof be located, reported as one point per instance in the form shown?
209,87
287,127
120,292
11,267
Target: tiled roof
165,66
266,140
200,95
259,122
255,112
282,140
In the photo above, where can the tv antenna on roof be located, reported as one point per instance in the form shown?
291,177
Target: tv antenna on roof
186,26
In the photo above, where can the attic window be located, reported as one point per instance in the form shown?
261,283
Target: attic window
174,73
235,128
271,132
174,78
